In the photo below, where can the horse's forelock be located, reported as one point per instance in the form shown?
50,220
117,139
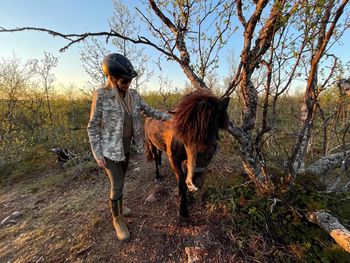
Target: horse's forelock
193,116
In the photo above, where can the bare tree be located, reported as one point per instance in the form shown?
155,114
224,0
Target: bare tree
176,35
177,38
122,21
14,78
91,57
17,102
325,23
44,70
282,41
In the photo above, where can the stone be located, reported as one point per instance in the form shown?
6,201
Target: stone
11,218
151,198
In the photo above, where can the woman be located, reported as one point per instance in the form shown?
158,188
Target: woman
114,124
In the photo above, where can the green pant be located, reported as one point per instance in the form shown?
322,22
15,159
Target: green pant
116,173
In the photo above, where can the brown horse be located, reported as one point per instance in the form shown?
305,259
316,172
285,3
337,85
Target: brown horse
189,139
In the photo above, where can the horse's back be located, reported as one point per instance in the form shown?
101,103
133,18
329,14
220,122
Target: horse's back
158,133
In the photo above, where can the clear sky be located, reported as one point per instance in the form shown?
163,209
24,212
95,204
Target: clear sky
72,16
65,16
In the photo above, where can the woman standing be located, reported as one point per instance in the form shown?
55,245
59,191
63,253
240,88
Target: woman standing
114,124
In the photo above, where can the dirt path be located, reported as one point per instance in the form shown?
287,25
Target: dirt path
68,220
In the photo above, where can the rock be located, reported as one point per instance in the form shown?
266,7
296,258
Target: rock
6,220
12,218
16,214
194,254
150,199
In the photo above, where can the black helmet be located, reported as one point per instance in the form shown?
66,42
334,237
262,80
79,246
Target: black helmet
118,65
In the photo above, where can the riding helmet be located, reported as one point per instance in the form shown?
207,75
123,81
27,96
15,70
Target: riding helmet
118,65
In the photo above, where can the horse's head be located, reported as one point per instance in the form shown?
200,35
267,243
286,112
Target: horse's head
197,119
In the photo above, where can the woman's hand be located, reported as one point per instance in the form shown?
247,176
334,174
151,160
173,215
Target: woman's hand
101,162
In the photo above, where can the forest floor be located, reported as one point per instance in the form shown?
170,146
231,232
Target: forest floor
66,218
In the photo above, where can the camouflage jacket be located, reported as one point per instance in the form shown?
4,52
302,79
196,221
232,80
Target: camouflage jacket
105,128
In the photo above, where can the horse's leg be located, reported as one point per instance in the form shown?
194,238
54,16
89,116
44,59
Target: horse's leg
181,179
154,154
183,196
157,169
158,160
159,154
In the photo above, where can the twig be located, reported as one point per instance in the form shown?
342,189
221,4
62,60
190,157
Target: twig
275,200
83,250
142,224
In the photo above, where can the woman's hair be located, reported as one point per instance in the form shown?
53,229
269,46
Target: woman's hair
110,80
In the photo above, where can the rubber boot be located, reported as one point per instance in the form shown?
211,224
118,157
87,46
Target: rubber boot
119,225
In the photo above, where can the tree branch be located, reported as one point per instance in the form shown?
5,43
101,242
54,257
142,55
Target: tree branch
181,46
240,13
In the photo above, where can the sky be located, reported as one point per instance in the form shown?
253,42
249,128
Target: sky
65,16
73,16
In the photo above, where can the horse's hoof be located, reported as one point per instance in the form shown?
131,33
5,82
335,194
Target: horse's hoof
184,220
190,198
191,187
184,215
159,179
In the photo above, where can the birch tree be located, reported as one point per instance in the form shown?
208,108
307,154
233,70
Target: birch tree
282,41
95,50
180,31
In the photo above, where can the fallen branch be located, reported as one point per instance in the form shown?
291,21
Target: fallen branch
327,163
331,224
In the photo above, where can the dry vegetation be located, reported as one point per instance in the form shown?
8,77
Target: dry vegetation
66,216
258,213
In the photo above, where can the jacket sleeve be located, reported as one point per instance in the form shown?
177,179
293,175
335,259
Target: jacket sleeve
95,125
151,112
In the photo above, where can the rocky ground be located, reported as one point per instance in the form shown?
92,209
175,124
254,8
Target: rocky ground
64,217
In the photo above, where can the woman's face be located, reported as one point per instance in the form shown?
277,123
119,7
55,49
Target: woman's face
123,83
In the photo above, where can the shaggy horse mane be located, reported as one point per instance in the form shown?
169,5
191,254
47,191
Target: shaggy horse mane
194,116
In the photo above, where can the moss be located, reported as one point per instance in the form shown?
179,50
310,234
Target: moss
336,254
286,224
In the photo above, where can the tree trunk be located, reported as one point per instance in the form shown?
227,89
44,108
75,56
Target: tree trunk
331,224
299,159
255,170
257,173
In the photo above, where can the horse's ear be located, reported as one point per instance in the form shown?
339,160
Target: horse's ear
224,103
